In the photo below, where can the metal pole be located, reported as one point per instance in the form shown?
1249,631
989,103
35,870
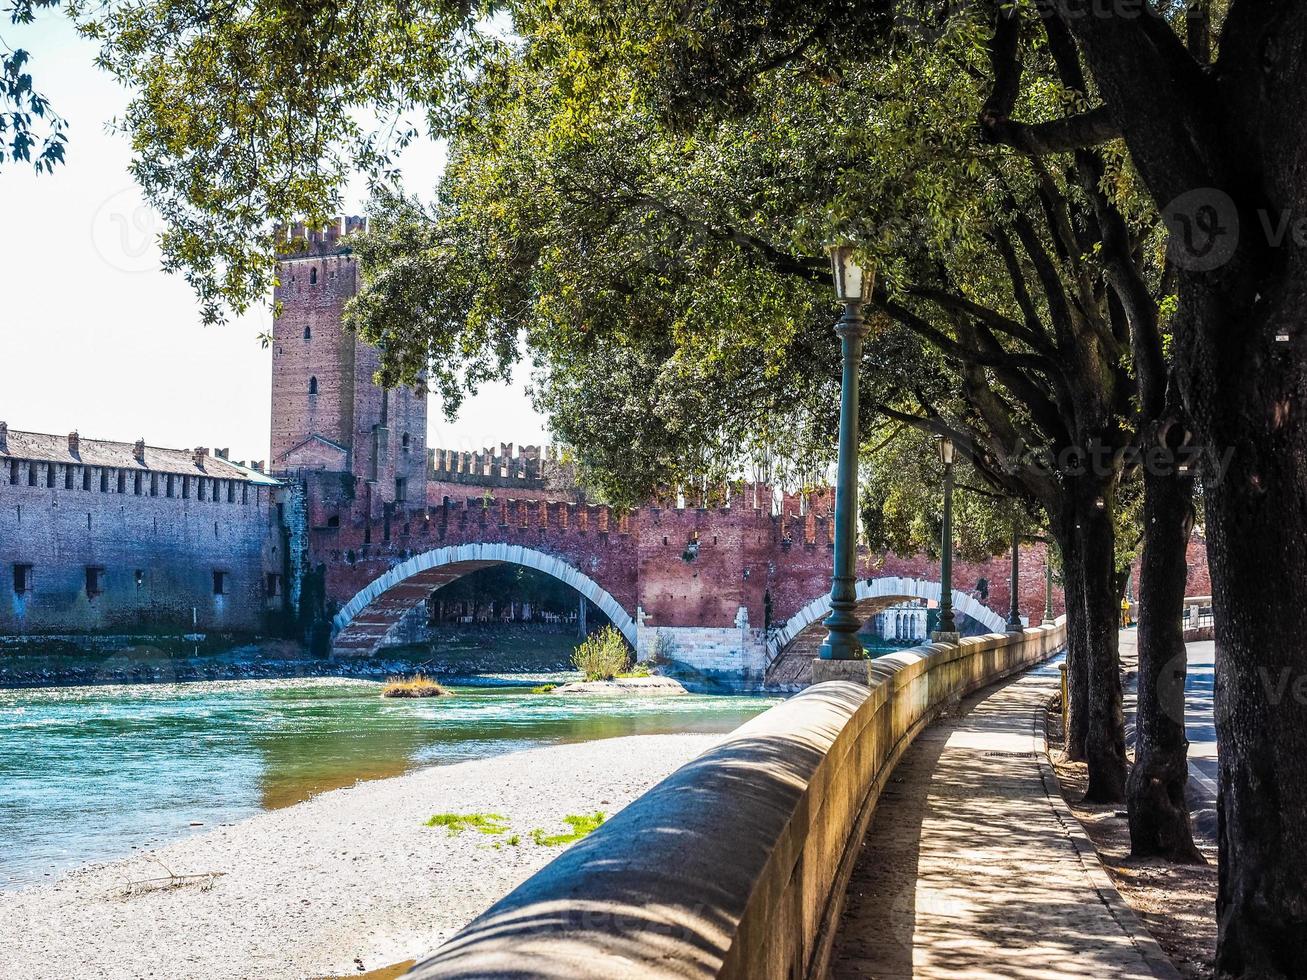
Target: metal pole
1014,608
843,623
947,622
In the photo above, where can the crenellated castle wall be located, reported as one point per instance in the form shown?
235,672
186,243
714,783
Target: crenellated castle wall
194,546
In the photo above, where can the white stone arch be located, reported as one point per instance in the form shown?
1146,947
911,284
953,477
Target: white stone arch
889,587
488,554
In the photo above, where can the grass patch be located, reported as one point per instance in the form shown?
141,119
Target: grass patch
417,686
643,669
603,655
482,823
581,825
543,688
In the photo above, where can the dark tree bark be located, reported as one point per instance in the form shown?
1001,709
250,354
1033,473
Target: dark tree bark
1077,653
1097,723
1251,402
1232,134
1155,790
1105,741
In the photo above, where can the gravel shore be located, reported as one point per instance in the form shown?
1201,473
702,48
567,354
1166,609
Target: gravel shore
349,880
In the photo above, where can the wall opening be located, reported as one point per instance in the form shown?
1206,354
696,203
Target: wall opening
219,582
94,581
22,579
313,386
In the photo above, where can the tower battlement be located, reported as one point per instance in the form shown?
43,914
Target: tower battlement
298,241
536,467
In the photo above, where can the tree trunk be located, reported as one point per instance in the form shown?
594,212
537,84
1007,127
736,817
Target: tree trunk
1249,401
1105,738
1077,654
1155,790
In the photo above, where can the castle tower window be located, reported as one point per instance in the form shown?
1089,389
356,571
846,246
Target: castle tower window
199,488
136,484
13,472
22,579
94,581
308,333
313,385
49,476
154,484
404,442
104,481
31,474
313,276
231,492
86,478
272,585
186,488
401,489
122,482
219,583
168,488
68,477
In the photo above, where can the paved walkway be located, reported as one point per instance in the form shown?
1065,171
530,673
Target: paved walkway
973,866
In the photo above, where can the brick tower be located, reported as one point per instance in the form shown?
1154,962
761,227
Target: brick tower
328,414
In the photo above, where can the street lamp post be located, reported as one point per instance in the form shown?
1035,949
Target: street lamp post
853,288
1014,607
948,629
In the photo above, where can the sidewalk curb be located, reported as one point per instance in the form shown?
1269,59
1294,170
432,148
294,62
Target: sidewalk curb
1116,906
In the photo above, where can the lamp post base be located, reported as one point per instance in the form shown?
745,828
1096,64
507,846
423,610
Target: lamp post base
945,636
856,671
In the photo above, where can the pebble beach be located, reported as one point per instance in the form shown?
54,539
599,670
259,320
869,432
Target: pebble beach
349,881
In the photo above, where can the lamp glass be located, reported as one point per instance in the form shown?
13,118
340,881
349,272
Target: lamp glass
852,283
945,446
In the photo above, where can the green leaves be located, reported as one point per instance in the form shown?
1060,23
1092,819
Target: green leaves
31,132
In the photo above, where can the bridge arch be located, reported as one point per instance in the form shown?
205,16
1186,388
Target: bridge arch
364,620
888,588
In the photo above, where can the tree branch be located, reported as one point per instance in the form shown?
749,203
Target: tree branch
1085,129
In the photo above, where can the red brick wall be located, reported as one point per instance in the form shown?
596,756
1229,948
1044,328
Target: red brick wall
680,566
326,355
384,432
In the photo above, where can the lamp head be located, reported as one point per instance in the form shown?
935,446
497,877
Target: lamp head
945,446
853,283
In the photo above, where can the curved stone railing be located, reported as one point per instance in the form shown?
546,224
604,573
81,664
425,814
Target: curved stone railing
736,864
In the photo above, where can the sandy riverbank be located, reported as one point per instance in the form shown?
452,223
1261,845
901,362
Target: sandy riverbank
349,876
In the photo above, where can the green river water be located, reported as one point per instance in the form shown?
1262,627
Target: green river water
91,773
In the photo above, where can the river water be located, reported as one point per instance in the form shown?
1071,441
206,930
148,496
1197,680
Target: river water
92,773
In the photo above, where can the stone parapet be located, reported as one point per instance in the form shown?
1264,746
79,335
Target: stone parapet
735,865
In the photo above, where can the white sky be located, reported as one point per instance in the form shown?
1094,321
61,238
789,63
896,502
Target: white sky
95,337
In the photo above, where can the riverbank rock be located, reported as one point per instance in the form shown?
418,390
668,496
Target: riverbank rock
662,686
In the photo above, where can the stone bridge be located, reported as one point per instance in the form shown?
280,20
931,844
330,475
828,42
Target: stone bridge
721,594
